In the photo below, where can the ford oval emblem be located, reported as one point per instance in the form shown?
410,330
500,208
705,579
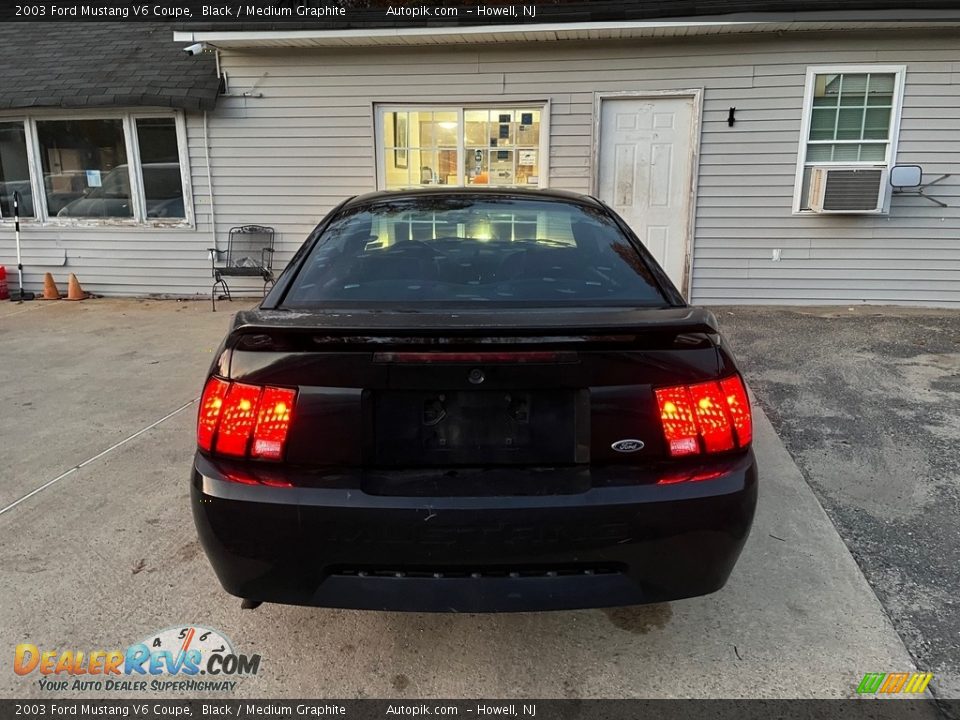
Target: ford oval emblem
626,446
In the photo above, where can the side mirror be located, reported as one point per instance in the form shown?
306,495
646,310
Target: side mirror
906,176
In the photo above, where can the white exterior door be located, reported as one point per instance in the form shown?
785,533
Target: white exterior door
646,147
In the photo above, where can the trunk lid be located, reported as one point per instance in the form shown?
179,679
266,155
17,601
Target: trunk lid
542,387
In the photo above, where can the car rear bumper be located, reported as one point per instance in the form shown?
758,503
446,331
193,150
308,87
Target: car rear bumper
598,543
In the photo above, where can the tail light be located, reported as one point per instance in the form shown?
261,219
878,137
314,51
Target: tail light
739,405
237,416
676,416
273,422
707,417
242,420
211,404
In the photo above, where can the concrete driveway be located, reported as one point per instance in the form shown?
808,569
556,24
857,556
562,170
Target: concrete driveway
867,401
107,553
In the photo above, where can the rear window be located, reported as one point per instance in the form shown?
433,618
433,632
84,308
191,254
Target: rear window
465,251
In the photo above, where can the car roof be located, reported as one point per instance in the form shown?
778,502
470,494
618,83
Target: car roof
473,192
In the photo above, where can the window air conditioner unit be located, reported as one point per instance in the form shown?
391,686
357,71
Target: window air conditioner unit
850,189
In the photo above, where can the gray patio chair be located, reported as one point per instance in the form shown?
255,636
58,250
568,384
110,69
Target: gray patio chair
249,253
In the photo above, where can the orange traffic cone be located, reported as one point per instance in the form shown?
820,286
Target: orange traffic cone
74,291
50,290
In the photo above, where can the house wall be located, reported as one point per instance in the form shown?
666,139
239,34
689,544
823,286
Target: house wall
116,259
302,140
307,142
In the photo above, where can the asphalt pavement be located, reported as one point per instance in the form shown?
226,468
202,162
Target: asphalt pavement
98,550
867,401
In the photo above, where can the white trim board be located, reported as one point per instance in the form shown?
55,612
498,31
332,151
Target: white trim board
839,21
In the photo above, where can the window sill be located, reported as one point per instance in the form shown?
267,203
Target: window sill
93,224
851,213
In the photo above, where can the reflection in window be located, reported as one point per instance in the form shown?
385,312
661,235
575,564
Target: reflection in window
84,168
14,170
450,250
160,167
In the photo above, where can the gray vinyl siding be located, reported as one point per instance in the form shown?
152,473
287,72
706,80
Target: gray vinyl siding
303,140
124,261
316,114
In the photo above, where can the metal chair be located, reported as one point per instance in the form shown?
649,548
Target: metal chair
249,254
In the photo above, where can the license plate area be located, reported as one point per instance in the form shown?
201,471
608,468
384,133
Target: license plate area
474,427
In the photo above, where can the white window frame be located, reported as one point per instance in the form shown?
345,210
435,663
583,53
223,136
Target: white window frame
381,109
131,140
900,74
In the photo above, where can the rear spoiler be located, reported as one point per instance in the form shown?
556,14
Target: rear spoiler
557,322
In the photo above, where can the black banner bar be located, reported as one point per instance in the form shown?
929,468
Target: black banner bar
351,14
498,709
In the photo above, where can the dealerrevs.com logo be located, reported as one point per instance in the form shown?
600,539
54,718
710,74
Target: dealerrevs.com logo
894,683
186,658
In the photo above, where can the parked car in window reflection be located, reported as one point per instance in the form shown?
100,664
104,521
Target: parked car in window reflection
63,188
163,191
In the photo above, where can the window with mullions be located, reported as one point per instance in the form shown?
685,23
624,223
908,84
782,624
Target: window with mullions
420,147
460,146
502,147
122,168
850,117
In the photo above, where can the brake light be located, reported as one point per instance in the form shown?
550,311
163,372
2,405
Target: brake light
676,417
479,358
273,423
243,420
739,405
712,418
210,406
707,417
236,419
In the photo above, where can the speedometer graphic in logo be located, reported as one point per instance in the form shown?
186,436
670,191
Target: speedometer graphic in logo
183,638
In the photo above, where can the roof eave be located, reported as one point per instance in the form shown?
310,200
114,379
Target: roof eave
452,35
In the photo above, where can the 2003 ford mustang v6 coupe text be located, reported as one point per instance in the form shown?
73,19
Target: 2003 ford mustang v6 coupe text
473,400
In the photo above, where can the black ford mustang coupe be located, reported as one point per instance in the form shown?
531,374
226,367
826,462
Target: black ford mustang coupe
473,400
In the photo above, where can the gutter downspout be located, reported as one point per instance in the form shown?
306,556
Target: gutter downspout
213,213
